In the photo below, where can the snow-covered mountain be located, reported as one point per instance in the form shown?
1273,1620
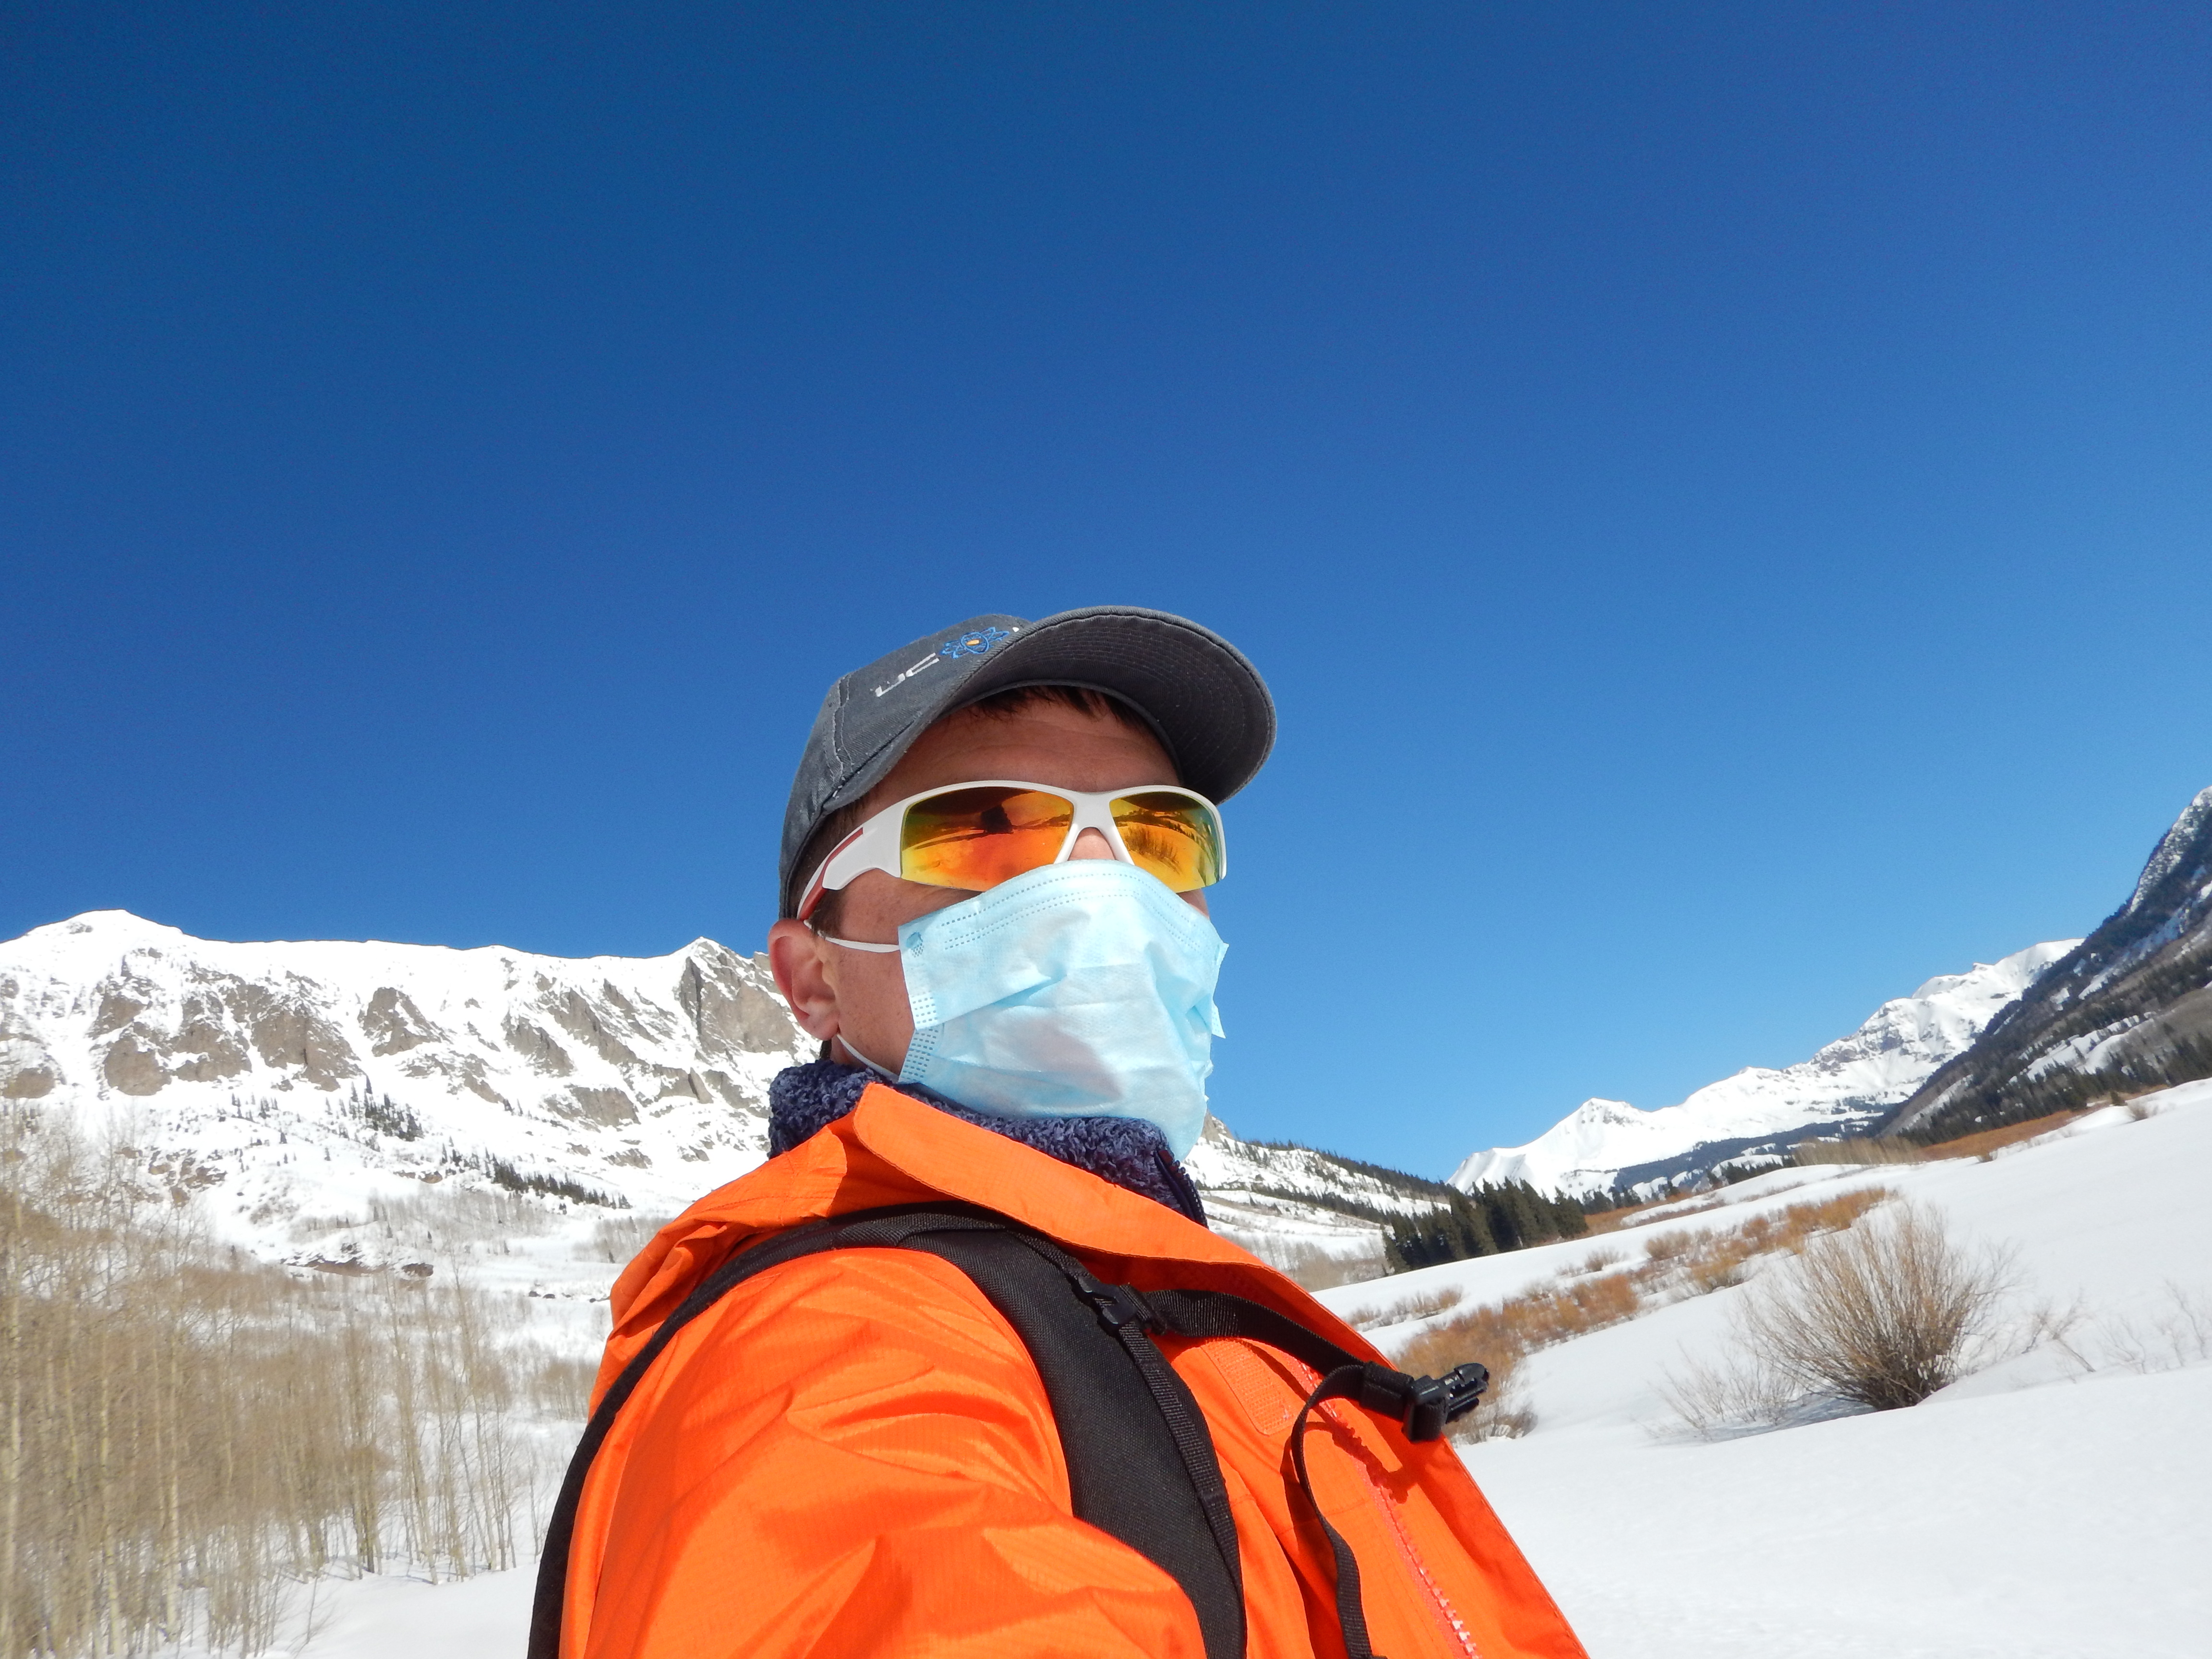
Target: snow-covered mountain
293,1079
1318,1217
1847,1086
306,1088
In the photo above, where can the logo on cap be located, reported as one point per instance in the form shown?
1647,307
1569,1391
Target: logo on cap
968,645
974,644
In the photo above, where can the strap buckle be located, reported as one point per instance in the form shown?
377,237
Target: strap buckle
1424,1405
1122,1305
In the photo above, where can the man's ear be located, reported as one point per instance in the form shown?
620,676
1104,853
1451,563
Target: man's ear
795,954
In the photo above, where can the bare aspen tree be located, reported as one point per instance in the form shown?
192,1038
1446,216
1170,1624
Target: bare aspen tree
184,1432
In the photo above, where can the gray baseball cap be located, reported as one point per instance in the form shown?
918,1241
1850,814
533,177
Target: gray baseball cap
1208,705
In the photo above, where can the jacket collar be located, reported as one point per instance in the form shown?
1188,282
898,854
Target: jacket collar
893,1149
804,1100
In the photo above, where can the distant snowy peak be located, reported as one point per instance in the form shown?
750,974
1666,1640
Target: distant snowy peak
1847,1085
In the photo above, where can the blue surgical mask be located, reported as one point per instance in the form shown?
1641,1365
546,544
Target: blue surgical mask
1083,989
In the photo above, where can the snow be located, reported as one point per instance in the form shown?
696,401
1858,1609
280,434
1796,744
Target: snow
2061,1522
643,1079
241,1070
2032,1509
1843,1087
389,1614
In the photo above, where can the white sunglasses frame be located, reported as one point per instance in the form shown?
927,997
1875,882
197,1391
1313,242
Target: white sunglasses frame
875,845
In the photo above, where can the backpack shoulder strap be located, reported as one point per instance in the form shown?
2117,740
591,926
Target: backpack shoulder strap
1141,1466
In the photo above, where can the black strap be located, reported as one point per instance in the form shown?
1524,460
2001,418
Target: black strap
1118,1433
1125,1437
1423,1405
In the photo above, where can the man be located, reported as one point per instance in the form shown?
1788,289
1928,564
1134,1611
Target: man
994,917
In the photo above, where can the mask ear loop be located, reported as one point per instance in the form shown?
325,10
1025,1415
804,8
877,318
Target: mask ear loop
884,1073
887,1075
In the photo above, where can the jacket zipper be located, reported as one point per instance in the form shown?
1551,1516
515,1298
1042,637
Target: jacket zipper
1439,1603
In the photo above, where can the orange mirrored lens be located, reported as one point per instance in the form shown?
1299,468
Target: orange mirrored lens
1175,837
977,838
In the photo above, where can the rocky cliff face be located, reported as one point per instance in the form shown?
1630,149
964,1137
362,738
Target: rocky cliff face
306,1089
293,1077
2129,1009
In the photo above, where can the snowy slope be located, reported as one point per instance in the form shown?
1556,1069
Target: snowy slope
2041,1509
1846,1086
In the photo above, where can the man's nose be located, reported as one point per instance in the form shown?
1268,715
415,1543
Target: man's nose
1092,844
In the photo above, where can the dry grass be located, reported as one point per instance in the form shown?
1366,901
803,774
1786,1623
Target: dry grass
1857,1150
1985,1142
1612,1221
1677,1264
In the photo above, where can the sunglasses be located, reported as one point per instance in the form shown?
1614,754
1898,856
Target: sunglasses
977,835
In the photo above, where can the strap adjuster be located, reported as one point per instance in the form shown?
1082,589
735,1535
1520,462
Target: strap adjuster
1122,1305
1424,1405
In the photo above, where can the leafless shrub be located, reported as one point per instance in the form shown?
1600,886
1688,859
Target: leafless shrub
2178,1335
1601,1258
1736,1395
1429,1303
1422,1304
1882,1314
1316,1268
617,1238
2139,1109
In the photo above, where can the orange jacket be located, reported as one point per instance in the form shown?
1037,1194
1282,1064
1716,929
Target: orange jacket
852,1453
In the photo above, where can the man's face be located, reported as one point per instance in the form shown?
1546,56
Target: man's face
834,991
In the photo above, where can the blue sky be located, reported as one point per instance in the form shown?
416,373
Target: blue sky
1721,493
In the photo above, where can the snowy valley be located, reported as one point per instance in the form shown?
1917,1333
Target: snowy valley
2046,1506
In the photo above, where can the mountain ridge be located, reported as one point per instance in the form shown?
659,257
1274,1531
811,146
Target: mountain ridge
295,1082
1755,1115
2129,1009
